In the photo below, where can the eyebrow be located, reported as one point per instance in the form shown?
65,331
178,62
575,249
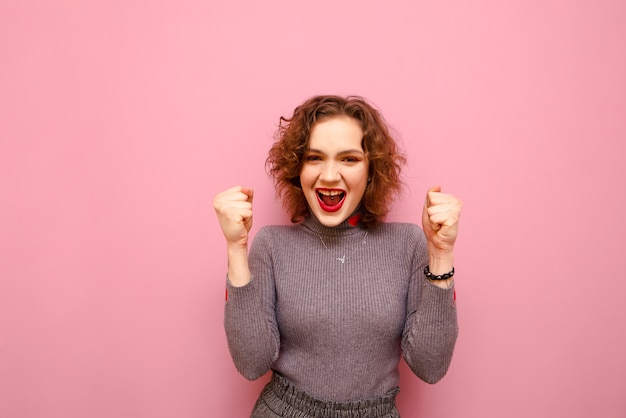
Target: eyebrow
349,151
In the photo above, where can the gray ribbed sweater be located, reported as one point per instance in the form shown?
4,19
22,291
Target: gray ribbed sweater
337,330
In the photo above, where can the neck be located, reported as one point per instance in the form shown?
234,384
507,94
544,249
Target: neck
347,227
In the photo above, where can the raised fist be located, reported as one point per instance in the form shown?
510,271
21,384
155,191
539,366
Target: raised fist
234,212
440,220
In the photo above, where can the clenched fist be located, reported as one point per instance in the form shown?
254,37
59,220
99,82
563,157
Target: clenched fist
234,213
440,221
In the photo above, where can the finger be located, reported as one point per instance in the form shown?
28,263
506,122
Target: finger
248,192
236,190
438,198
445,202
234,209
233,194
443,220
450,206
242,215
236,204
430,193
444,214
433,225
230,191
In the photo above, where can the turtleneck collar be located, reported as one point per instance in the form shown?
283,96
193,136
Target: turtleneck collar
348,227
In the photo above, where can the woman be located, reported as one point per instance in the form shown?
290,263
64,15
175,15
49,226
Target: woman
330,303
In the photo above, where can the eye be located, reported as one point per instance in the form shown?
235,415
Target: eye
351,159
313,158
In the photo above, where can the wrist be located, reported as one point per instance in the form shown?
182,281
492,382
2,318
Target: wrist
440,262
443,280
238,270
236,248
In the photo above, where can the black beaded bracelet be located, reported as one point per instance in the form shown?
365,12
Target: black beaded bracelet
431,276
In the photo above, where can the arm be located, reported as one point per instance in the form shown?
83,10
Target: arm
431,328
440,223
234,213
249,316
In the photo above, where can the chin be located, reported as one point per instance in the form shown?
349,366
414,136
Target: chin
331,219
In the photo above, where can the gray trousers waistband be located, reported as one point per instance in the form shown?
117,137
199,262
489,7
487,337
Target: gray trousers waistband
282,399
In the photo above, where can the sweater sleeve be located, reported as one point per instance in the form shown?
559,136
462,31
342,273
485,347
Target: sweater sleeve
250,316
431,327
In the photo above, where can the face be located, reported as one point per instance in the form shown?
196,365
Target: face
335,169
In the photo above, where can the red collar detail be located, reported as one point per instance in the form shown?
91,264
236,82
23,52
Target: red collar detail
354,219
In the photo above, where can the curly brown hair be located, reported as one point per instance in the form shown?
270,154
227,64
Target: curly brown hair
286,155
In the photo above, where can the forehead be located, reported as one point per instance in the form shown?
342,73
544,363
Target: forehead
336,132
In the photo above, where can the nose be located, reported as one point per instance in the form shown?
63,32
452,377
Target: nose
330,173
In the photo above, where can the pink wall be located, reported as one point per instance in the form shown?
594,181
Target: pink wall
120,120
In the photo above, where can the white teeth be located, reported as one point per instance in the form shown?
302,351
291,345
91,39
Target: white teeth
329,192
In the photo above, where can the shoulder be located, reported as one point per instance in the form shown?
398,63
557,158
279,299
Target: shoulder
277,233
278,230
405,240
273,240
403,236
399,230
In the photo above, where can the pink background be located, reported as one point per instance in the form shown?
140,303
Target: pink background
120,120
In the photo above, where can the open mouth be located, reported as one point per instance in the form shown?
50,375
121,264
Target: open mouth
331,200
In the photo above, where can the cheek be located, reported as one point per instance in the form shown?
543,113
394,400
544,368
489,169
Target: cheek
306,175
359,178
